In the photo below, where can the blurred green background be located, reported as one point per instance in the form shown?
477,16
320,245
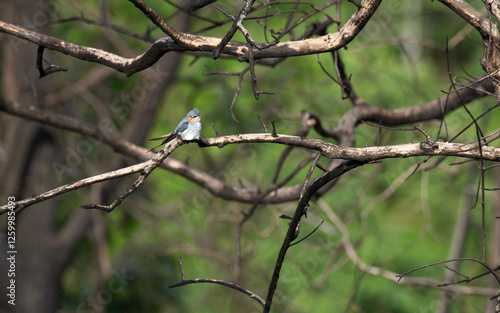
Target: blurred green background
399,60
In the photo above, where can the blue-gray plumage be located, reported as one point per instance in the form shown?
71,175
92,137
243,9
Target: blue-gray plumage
189,128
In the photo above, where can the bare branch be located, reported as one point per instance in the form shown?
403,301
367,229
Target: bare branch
217,133
22,204
199,4
215,281
299,211
236,25
262,122
490,270
365,154
253,76
480,22
308,235
392,276
128,66
148,169
177,36
273,134
49,70
179,41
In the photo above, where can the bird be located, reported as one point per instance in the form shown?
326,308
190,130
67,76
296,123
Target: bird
189,129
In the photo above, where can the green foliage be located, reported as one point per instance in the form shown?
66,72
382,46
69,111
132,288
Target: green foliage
409,227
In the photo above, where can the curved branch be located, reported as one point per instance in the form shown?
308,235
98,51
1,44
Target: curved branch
187,42
389,275
177,36
435,109
475,18
234,286
216,187
120,145
490,270
128,66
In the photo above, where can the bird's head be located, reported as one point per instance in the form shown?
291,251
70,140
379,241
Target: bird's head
193,115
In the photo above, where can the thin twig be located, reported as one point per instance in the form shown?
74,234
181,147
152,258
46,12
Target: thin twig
181,269
234,286
217,133
177,36
262,122
274,134
308,235
236,22
483,196
490,270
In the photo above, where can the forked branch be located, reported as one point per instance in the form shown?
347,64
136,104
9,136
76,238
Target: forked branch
178,41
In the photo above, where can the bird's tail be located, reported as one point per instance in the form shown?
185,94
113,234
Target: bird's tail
167,138
153,150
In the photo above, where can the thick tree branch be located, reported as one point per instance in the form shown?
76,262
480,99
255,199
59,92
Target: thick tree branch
475,18
365,154
216,187
326,149
120,145
188,42
128,66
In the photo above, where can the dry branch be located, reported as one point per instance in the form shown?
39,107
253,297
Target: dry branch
234,286
22,204
187,42
389,275
216,187
364,154
329,150
299,212
475,18
148,168
145,168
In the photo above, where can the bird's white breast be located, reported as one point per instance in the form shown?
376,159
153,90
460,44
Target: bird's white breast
192,131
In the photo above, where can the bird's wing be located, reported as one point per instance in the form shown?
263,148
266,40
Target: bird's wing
161,137
182,127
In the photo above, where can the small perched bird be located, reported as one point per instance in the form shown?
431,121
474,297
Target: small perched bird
189,129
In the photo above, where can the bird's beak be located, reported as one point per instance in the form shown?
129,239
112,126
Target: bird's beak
193,119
